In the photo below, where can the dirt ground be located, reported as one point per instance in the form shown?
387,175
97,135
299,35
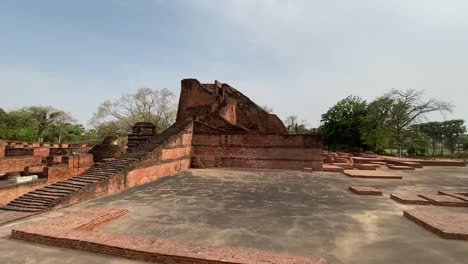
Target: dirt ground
291,212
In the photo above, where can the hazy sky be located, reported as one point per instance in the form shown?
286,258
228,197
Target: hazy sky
298,57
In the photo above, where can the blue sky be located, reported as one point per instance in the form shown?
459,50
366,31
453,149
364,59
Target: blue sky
298,57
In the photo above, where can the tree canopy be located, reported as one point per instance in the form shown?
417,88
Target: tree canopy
146,105
394,120
342,123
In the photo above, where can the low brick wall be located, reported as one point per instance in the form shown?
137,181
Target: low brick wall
172,156
456,163
259,151
61,172
13,164
168,159
13,191
39,151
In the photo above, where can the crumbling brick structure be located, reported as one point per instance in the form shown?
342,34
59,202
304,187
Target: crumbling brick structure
232,131
216,126
220,105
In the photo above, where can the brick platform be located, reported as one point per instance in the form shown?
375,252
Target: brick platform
409,199
400,167
332,168
345,166
445,225
371,174
9,216
361,166
444,200
461,196
361,190
75,231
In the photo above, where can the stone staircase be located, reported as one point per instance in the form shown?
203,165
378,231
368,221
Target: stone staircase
52,195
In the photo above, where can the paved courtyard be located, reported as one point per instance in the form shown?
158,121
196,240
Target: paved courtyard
288,212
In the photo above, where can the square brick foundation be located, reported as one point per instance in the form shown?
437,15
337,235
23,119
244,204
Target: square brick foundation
365,190
444,200
409,199
75,231
445,225
371,174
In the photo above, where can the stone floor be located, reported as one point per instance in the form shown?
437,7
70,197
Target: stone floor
291,212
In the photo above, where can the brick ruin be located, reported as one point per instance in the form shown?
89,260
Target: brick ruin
216,126
26,166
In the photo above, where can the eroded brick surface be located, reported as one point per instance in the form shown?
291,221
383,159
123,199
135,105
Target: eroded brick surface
447,225
371,174
461,196
400,167
332,168
444,200
75,231
409,199
362,190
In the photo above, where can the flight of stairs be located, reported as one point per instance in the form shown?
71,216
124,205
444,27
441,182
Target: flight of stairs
50,196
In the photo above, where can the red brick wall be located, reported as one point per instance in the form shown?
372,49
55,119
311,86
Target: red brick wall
78,161
171,157
221,101
61,172
259,151
40,151
11,192
13,164
149,174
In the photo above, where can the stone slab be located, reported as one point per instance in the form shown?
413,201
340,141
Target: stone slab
345,166
371,174
457,195
400,167
378,162
448,225
444,200
75,231
412,164
332,168
362,190
361,166
28,178
409,199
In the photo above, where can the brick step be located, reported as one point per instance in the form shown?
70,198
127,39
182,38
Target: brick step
25,205
93,178
95,173
54,187
102,177
84,180
58,195
67,185
27,202
76,183
20,209
51,190
39,197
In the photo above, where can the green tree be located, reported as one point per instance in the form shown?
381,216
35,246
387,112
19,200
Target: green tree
342,124
17,125
416,141
45,117
404,108
146,105
452,130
